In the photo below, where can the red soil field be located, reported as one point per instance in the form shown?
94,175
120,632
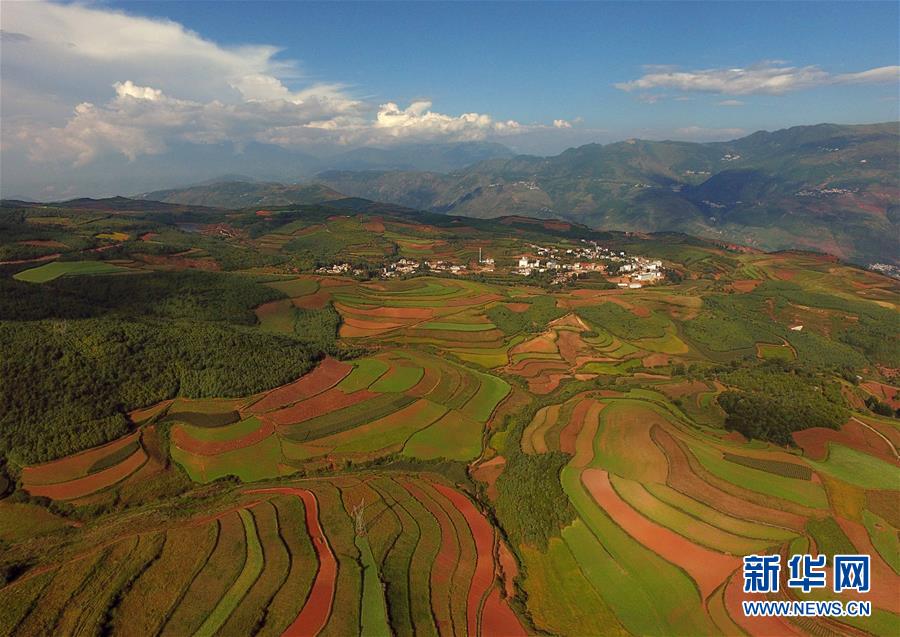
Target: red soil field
371,325
585,409
315,612
329,400
681,477
429,381
498,620
745,285
533,368
147,412
683,388
484,542
706,567
478,299
543,344
814,441
417,313
885,393
509,567
546,384
640,311
81,487
212,448
375,225
655,360
73,466
754,626
315,301
444,563
518,307
488,472
328,374
884,596
571,346
148,236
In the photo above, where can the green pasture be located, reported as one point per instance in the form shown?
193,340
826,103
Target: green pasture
56,269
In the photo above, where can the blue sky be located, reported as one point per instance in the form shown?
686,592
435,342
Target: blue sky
95,90
541,61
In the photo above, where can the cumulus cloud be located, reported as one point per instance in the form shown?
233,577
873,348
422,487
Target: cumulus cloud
772,77
83,81
561,123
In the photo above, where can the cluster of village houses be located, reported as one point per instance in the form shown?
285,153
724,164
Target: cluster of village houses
565,264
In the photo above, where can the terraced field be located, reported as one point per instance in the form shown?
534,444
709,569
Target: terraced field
485,455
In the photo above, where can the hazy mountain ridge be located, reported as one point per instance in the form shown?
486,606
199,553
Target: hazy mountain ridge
827,187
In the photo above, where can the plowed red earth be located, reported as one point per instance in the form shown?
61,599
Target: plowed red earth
418,313
484,542
328,374
329,400
316,611
707,568
74,466
754,626
212,448
682,478
488,472
585,409
315,301
497,618
886,393
81,487
814,441
445,562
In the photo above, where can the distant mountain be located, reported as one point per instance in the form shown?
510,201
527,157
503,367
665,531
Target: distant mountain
828,187
243,194
110,204
433,157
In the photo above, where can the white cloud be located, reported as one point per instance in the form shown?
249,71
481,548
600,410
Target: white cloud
772,77
561,123
730,103
83,81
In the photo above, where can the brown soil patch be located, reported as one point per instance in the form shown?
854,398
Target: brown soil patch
518,307
683,388
706,567
365,324
745,285
884,596
375,225
546,384
318,405
315,301
681,477
543,344
483,535
74,466
498,620
317,609
328,373
146,413
754,626
207,264
584,411
656,360
412,313
81,487
215,447
488,472
814,441
883,392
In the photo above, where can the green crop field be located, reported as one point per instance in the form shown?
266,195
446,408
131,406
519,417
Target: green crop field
51,271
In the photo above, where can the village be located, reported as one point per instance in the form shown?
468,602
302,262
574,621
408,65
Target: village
565,264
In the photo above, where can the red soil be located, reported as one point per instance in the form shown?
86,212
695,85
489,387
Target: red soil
147,412
478,299
885,393
884,596
370,325
745,285
543,344
74,466
655,360
444,563
375,225
518,307
814,441
682,477
683,388
584,410
415,313
316,611
328,401
509,568
706,567
754,626
315,301
546,384
81,487
483,535
640,311
212,448
571,346
534,368
429,381
498,620
328,374
488,472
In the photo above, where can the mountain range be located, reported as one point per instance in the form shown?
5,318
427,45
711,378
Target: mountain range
831,188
